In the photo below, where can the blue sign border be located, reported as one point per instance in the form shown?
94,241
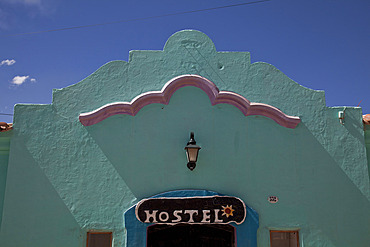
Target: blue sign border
246,233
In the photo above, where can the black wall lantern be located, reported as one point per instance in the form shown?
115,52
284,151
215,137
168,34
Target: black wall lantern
192,152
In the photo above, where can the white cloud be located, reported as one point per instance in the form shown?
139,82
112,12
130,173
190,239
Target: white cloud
38,2
29,8
5,19
26,2
33,80
19,80
7,62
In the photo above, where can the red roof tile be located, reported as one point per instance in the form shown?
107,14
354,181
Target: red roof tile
366,119
5,126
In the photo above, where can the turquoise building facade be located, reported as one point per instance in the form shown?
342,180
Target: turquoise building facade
82,163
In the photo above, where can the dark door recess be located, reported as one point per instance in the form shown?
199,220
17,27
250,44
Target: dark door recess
191,235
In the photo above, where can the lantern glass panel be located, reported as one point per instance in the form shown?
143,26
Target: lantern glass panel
192,154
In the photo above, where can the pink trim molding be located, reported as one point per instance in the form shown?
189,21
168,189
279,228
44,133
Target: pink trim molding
163,97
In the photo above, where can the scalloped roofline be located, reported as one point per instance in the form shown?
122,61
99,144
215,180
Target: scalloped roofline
163,97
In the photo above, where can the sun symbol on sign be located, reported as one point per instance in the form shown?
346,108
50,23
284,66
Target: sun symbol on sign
228,210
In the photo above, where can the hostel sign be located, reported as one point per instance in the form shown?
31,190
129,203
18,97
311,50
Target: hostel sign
192,210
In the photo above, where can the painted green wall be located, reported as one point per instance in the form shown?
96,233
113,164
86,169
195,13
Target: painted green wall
4,157
367,143
65,179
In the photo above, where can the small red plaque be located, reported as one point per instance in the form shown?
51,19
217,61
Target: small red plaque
272,199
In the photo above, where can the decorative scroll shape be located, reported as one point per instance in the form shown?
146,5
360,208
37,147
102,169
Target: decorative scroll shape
163,97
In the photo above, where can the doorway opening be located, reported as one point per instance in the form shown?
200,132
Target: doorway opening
191,235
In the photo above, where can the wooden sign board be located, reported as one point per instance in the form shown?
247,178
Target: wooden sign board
191,210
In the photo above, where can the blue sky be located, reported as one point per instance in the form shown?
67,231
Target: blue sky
320,44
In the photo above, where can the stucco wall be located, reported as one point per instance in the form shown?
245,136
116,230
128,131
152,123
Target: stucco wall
65,178
367,143
4,158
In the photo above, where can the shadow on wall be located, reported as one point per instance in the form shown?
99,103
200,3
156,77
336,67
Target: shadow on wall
352,123
320,195
334,206
32,206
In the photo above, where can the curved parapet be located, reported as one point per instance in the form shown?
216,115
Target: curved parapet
163,97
